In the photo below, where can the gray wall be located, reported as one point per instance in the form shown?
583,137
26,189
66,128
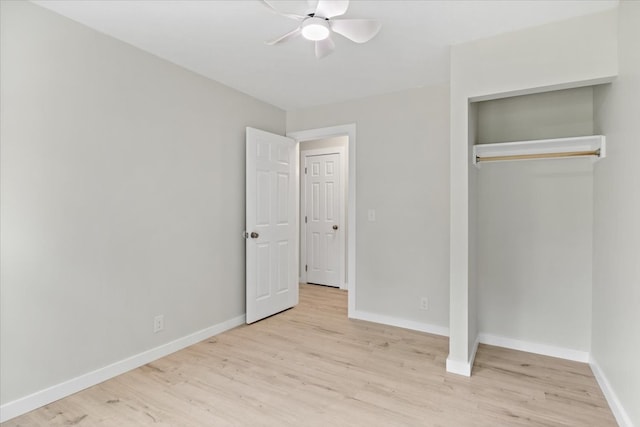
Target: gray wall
122,198
402,172
556,114
338,141
534,251
534,235
616,273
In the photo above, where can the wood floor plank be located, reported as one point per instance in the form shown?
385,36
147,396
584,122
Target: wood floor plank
312,366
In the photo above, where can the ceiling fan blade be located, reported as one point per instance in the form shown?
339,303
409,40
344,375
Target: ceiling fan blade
290,35
324,47
357,30
331,8
276,11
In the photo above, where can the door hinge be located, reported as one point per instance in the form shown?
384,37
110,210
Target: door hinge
305,170
305,267
305,219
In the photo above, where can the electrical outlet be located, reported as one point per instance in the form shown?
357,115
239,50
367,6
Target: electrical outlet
424,303
158,323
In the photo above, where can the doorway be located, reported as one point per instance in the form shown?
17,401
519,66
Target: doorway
349,167
323,225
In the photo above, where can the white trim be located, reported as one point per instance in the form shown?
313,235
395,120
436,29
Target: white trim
622,417
328,132
589,143
296,286
43,397
303,203
458,367
400,323
537,348
464,368
474,350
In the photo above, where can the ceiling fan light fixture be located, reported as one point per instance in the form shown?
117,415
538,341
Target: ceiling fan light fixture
315,29
321,23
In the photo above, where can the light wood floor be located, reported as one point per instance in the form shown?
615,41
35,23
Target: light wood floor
311,366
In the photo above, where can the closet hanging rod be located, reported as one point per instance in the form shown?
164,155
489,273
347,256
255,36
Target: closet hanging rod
539,156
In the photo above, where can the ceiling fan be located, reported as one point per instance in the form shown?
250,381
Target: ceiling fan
318,24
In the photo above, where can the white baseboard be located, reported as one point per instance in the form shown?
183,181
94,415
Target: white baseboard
474,350
618,410
401,323
43,397
532,347
461,367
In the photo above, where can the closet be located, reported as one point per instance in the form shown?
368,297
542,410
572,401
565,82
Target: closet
533,193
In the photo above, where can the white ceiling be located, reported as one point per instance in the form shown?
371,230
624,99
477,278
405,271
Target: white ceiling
224,40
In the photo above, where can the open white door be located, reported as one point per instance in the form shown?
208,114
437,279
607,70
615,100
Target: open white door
271,221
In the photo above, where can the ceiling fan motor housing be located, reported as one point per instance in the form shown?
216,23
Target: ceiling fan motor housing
315,29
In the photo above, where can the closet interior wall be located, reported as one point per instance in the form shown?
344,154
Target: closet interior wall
534,225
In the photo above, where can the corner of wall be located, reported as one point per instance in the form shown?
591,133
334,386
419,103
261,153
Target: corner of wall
58,391
621,415
463,367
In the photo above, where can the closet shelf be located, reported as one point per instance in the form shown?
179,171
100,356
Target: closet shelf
592,146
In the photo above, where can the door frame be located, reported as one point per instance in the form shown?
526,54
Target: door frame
348,130
303,203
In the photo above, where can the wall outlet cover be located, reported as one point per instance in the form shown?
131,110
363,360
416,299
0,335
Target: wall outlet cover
158,323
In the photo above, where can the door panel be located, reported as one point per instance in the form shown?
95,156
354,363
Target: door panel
325,238
271,221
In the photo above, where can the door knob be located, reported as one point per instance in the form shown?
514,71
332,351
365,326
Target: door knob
335,227
254,235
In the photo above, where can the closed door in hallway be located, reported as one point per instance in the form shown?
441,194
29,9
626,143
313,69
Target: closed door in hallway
323,216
